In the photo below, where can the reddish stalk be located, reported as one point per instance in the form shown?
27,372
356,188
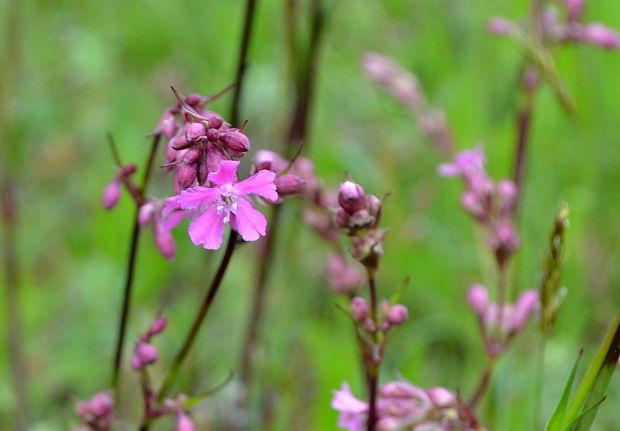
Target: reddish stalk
372,363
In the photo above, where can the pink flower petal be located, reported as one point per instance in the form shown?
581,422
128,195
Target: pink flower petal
226,175
173,219
250,223
261,184
208,228
194,197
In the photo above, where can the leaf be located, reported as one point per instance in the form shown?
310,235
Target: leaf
595,380
585,413
192,401
556,421
396,297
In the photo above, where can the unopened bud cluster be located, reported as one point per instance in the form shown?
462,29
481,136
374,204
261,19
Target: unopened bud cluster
569,29
499,324
405,406
97,414
489,203
291,180
389,315
144,352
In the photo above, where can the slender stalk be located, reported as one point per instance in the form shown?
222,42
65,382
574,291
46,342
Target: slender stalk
9,221
131,265
524,121
540,373
372,362
200,316
248,24
483,383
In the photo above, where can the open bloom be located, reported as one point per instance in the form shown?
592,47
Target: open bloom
353,412
226,201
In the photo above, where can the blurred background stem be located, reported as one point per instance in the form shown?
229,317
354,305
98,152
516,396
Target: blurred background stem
303,72
9,181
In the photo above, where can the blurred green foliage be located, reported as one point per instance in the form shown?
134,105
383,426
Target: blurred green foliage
92,67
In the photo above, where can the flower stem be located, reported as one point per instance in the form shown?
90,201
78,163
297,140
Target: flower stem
483,383
372,361
200,317
131,264
524,121
372,381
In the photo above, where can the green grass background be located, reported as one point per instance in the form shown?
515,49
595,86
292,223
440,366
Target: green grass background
92,67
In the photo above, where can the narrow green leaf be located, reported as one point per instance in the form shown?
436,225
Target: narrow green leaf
192,401
596,378
584,414
556,421
396,297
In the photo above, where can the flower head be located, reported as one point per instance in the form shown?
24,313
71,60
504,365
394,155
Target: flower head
353,412
226,201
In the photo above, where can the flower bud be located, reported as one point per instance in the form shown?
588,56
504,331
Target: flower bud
186,174
289,184
601,35
194,100
269,160
167,124
214,159
147,353
441,397
359,309
351,197
158,326
397,315
471,203
214,119
374,204
128,170
192,156
527,304
195,131
111,194
165,242
500,26
507,191
145,214
236,143
478,298
180,143
101,405
184,423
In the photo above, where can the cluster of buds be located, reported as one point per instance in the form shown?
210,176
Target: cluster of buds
404,406
97,414
144,352
343,278
569,29
500,323
112,192
388,315
490,203
198,140
359,215
405,87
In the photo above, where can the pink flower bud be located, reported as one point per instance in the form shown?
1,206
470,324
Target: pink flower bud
236,143
214,119
500,26
192,156
194,100
403,389
184,423
158,326
397,315
289,184
359,309
145,214
351,197
342,218
478,298
101,405
601,35
441,397
111,194
180,143
128,170
167,124
269,160
146,352
165,242
195,131
507,191
369,325
527,304
507,238
186,174
574,8
374,204
136,363
214,158
471,203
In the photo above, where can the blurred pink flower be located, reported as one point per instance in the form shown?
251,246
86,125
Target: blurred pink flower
601,35
464,163
226,202
353,412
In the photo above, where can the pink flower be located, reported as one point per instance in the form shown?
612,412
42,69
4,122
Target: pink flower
226,202
601,35
465,163
352,411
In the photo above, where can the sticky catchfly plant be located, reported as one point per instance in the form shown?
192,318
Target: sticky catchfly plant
225,201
